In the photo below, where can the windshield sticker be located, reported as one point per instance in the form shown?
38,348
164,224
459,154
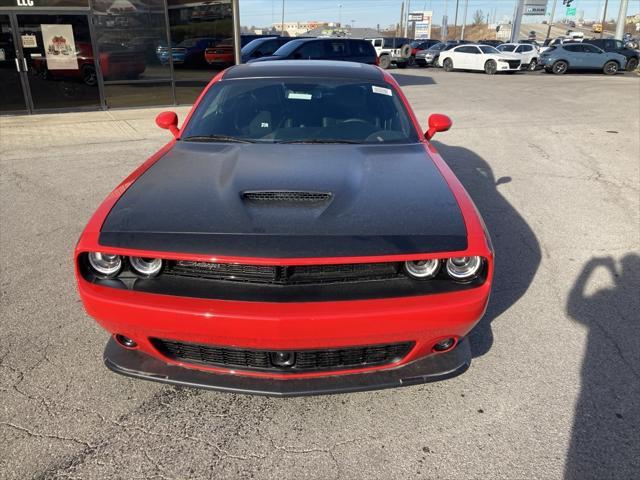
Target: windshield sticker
382,91
299,96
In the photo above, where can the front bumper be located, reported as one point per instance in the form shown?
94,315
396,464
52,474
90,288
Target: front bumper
134,363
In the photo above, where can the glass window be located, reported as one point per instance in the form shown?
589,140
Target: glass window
488,49
377,43
590,49
506,48
335,49
138,94
132,40
301,110
310,50
572,48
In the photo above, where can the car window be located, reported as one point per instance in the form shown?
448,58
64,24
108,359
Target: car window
488,49
289,47
506,48
334,49
267,48
520,49
572,48
310,50
590,48
275,110
377,43
527,48
360,49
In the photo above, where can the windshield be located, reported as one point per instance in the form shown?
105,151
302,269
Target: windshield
488,49
507,48
299,110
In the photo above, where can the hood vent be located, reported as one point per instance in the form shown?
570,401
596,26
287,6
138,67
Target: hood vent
286,197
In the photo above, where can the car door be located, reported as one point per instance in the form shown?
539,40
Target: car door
594,57
575,57
475,58
460,57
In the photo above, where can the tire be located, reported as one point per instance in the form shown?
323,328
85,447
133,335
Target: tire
447,65
560,67
632,64
385,61
533,64
401,64
610,68
490,67
412,61
89,76
405,51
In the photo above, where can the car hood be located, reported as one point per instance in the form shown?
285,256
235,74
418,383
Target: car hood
508,56
382,200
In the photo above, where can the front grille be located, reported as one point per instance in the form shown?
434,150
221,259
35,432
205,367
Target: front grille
286,197
285,275
514,63
304,360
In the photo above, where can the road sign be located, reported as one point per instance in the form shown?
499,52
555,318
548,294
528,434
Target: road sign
571,12
535,7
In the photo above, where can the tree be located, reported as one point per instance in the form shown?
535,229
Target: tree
478,17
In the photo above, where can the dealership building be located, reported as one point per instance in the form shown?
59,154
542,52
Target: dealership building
61,55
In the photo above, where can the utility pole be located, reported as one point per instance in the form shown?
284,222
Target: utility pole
517,22
282,23
464,20
455,20
406,22
235,6
604,17
445,28
401,19
622,17
553,12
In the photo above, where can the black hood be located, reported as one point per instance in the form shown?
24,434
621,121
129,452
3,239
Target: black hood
251,200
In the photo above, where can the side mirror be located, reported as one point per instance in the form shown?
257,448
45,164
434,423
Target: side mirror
168,121
437,123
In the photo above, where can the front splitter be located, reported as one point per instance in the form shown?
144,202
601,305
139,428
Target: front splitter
134,363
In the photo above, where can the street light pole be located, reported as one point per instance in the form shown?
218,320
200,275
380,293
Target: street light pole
464,19
235,8
455,19
553,12
517,22
282,23
622,17
604,17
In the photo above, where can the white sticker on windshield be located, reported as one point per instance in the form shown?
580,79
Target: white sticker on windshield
299,96
382,91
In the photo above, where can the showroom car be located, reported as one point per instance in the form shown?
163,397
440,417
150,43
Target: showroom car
581,56
267,248
479,57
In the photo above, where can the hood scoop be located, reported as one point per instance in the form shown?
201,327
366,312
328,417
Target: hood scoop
286,197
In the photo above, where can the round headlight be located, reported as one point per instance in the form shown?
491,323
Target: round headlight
422,269
106,264
463,268
146,267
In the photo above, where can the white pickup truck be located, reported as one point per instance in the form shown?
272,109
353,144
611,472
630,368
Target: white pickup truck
392,51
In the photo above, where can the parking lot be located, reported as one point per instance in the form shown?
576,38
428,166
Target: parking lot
554,387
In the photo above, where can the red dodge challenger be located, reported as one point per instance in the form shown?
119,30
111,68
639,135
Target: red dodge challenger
298,235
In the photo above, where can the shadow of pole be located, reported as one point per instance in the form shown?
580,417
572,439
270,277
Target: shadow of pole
517,249
605,440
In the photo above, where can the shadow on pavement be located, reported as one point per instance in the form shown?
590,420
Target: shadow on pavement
405,80
516,247
605,440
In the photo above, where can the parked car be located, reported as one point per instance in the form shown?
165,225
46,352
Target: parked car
188,52
115,64
418,45
429,57
493,43
263,47
479,57
268,250
528,53
617,46
346,49
392,51
581,56
535,43
597,28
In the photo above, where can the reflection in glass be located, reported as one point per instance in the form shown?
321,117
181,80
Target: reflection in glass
11,96
201,33
138,94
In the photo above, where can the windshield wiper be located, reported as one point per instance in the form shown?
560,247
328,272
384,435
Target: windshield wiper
319,140
217,138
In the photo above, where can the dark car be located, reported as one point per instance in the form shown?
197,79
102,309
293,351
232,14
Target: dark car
350,50
617,46
427,57
189,52
263,47
418,45
299,235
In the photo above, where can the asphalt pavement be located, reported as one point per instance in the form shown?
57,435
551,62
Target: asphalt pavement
554,388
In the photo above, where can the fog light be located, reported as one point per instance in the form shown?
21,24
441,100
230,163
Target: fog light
126,341
444,345
282,359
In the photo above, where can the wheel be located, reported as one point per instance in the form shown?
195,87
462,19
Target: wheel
632,64
610,68
89,75
533,64
447,65
385,61
490,67
559,67
405,51
412,61
401,64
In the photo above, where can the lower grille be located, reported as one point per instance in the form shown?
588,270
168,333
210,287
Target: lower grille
303,360
514,63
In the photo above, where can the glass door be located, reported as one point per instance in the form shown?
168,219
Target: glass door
12,98
59,65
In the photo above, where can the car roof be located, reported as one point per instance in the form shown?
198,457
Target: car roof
305,68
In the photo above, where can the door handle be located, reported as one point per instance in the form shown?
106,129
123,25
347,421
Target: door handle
24,62
17,64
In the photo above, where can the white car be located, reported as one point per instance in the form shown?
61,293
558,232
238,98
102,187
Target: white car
528,53
479,57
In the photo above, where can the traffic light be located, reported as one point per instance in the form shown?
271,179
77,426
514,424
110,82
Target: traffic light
568,4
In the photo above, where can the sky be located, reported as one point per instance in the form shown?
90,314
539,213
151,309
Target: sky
370,13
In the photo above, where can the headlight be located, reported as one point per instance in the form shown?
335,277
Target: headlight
146,267
463,268
422,269
105,264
